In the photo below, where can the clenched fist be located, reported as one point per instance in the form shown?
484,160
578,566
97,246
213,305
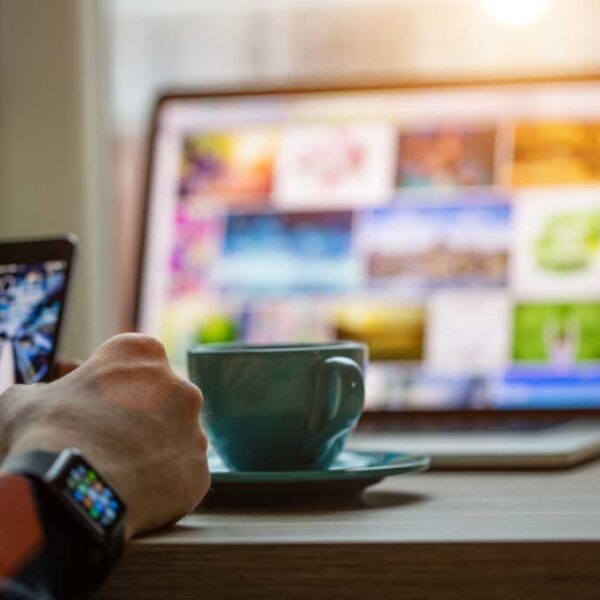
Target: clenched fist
131,416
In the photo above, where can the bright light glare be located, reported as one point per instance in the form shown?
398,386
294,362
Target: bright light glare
516,13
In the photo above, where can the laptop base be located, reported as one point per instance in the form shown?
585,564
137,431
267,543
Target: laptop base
557,447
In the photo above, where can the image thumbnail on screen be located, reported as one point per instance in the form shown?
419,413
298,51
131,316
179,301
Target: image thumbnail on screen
30,305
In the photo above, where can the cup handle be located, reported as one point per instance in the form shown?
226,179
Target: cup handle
339,400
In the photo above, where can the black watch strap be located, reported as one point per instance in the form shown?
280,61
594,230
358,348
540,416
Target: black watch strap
69,566
35,463
39,465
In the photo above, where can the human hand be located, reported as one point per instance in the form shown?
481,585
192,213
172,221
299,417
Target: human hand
131,416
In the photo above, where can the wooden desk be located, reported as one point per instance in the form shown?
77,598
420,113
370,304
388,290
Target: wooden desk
438,535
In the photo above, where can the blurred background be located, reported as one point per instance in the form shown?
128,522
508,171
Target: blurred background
78,82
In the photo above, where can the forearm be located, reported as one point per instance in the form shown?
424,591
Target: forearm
21,533
42,554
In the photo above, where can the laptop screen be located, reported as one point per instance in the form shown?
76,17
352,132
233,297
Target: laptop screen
454,230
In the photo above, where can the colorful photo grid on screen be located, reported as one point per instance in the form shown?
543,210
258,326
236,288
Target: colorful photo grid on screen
464,252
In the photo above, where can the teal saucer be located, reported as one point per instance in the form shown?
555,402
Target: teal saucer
352,472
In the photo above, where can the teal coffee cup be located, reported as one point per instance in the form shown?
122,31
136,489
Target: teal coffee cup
280,407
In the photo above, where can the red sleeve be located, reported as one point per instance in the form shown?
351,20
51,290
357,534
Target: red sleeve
21,532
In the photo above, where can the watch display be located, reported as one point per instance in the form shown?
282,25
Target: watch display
92,497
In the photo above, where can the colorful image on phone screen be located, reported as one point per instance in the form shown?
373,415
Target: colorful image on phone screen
31,298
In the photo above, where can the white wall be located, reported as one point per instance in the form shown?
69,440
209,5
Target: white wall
157,43
51,160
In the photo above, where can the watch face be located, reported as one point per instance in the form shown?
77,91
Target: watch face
92,497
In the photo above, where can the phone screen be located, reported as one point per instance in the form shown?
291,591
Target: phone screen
31,304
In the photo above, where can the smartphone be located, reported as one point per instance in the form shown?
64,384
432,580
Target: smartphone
34,280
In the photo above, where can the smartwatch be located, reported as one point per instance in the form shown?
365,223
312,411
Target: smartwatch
88,500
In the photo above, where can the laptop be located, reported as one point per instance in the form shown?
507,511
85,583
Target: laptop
452,227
